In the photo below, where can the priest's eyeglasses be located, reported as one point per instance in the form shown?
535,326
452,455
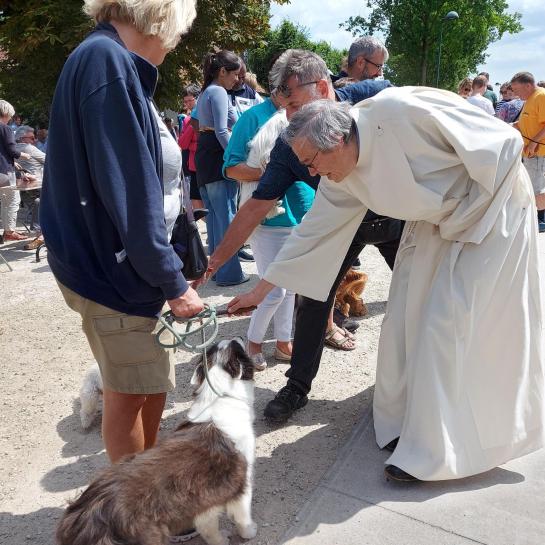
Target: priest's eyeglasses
286,91
311,164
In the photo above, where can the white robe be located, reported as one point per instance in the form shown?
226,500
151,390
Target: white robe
460,371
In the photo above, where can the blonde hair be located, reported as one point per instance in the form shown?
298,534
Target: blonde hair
6,109
167,19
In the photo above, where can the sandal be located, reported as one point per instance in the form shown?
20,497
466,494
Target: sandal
280,355
34,244
14,235
340,339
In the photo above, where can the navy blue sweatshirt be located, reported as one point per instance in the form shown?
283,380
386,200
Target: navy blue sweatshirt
101,206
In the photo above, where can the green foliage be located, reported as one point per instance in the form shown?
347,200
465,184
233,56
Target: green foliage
412,29
290,36
36,37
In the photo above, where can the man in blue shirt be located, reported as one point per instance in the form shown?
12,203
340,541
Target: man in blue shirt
301,77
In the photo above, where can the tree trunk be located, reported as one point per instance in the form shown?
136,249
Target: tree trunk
425,51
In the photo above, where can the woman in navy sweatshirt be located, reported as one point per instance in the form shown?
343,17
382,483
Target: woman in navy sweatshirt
102,209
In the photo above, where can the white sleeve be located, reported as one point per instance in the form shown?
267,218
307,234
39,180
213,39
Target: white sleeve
310,260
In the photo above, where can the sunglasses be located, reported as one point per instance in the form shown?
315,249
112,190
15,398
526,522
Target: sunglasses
286,91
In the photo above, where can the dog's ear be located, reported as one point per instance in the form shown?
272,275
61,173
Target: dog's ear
245,364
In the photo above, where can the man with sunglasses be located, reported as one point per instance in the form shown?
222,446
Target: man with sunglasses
366,58
299,77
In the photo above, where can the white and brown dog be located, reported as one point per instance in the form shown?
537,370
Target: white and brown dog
203,469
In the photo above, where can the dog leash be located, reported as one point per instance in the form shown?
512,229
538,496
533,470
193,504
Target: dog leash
207,318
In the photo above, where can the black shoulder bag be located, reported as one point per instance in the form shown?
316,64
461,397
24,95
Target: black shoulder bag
186,240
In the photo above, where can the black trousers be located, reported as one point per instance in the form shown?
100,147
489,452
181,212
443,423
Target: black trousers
312,315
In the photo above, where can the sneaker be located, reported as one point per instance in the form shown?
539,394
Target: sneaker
182,538
541,226
244,255
285,403
259,361
245,278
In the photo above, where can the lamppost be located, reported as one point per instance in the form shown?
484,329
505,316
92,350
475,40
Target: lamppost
450,16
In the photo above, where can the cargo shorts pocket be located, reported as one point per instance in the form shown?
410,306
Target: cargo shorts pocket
127,340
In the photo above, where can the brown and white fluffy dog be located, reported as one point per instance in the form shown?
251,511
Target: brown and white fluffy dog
204,468
348,297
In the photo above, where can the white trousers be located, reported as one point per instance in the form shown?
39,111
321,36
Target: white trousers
9,201
266,243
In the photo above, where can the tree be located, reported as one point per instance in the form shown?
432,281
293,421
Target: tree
412,29
290,36
36,37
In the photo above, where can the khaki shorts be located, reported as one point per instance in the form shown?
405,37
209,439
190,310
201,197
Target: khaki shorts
124,346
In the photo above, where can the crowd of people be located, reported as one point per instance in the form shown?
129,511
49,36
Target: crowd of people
309,176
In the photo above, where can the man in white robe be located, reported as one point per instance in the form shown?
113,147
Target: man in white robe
460,371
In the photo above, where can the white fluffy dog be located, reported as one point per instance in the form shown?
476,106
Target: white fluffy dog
259,152
90,395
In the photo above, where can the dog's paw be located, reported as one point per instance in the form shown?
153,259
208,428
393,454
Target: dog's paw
86,419
248,532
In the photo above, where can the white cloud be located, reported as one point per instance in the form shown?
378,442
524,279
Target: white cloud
523,51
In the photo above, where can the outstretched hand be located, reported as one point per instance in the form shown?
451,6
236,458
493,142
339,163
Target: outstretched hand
244,304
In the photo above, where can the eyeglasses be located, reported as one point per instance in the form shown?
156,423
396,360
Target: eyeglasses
311,164
377,66
286,91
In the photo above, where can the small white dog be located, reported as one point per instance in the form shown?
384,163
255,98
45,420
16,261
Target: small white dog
204,468
259,152
90,395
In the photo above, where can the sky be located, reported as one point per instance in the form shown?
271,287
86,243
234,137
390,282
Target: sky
511,54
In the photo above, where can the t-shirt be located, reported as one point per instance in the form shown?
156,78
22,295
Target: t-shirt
482,103
532,118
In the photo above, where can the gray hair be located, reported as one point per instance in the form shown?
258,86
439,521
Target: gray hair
322,122
365,47
22,131
6,109
305,65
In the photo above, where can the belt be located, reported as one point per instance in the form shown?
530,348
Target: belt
206,129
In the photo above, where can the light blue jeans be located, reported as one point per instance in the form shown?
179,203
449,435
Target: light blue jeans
221,200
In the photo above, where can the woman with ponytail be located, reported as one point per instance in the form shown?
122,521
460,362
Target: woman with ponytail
216,117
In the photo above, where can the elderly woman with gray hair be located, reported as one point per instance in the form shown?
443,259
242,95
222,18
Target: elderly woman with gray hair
9,199
452,397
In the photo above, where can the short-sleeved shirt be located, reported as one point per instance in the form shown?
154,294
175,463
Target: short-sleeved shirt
532,118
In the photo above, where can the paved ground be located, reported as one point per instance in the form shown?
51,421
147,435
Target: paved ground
46,458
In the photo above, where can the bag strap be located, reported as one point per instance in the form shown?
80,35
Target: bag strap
186,201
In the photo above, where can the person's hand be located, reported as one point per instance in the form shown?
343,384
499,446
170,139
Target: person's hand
24,155
187,305
531,149
248,300
196,284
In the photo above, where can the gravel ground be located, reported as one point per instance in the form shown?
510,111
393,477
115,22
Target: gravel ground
46,458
